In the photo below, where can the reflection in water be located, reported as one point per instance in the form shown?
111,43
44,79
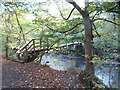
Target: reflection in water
108,73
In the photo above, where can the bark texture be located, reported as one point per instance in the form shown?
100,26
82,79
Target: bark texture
88,37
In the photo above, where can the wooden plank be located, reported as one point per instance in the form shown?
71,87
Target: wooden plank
23,47
29,46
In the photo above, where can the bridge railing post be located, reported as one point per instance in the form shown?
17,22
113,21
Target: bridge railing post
34,45
40,42
26,52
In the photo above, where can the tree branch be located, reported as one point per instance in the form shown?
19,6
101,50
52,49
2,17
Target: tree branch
31,30
76,6
86,6
50,28
112,9
71,28
96,30
105,20
66,30
20,27
97,13
68,15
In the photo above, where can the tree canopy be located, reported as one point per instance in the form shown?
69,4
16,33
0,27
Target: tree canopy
95,25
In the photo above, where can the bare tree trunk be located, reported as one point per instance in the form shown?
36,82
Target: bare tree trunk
21,29
88,45
88,37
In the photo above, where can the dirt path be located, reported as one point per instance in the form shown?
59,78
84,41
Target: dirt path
34,75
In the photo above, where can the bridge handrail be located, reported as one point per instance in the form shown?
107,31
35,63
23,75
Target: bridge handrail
24,46
32,43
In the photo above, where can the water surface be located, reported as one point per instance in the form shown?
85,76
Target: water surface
108,73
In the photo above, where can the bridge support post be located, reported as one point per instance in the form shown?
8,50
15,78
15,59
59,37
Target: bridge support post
34,46
27,57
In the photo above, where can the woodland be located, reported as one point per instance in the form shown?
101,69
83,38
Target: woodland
52,26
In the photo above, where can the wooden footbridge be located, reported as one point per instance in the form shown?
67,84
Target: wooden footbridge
33,48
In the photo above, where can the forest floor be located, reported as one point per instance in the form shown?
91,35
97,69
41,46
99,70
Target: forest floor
34,75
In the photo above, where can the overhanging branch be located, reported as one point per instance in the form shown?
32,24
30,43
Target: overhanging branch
71,29
96,30
68,15
76,6
105,20
112,9
50,28
30,31
97,13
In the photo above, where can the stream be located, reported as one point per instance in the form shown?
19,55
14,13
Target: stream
108,73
